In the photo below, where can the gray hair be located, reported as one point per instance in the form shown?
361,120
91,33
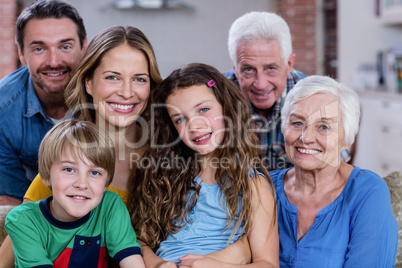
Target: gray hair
263,26
348,100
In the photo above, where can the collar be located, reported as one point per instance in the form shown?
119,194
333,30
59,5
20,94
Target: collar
44,207
33,104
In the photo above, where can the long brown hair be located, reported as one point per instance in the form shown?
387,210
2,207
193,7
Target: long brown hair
160,198
78,100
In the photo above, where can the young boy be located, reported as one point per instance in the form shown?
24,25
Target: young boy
81,224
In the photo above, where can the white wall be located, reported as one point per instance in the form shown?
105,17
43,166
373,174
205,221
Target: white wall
178,36
360,36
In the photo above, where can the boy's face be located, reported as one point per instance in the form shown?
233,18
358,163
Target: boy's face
77,186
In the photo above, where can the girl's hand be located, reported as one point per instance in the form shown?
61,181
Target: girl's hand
166,264
198,261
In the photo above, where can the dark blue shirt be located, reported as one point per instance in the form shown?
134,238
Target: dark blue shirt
23,124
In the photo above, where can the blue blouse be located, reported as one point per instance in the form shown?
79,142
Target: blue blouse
358,229
204,234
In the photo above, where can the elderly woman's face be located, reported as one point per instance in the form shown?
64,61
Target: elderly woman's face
314,133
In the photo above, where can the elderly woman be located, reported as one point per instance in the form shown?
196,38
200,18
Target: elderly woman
330,214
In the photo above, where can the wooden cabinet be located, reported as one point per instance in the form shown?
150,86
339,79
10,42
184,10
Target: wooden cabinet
379,141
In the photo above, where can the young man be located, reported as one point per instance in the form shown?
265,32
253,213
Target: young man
51,40
81,224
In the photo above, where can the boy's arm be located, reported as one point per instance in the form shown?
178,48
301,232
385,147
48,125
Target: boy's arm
132,261
7,254
6,249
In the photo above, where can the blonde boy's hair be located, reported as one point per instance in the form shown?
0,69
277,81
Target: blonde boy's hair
83,138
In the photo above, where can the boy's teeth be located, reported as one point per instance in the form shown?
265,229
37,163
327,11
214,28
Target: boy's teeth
203,138
122,106
307,151
80,197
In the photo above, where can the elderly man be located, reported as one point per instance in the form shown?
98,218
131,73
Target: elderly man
260,47
51,40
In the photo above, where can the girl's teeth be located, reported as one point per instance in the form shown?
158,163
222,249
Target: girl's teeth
203,138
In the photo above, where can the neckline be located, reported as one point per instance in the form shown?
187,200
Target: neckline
44,207
292,208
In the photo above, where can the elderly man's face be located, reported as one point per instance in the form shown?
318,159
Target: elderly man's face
262,72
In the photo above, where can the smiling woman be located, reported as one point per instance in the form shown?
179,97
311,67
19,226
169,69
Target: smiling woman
330,214
120,86
111,87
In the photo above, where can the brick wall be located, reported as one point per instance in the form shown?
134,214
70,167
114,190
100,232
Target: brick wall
301,18
8,55
331,36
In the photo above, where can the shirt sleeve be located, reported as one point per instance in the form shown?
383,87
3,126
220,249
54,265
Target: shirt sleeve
373,231
37,190
121,240
27,245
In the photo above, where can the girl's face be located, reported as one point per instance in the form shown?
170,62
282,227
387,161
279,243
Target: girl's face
120,86
314,133
198,118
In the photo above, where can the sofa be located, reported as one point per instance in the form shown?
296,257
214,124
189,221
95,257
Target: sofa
394,182
3,213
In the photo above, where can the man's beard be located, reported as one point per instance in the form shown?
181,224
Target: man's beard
53,87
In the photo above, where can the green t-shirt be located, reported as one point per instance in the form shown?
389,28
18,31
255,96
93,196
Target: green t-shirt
41,240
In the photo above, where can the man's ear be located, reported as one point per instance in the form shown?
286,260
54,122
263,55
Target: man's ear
21,56
234,68
84,47
291,61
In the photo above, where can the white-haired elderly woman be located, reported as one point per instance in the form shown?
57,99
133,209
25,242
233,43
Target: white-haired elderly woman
330,214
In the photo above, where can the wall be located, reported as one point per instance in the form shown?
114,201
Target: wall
181,36
360,35
178,36
301,16
8,59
